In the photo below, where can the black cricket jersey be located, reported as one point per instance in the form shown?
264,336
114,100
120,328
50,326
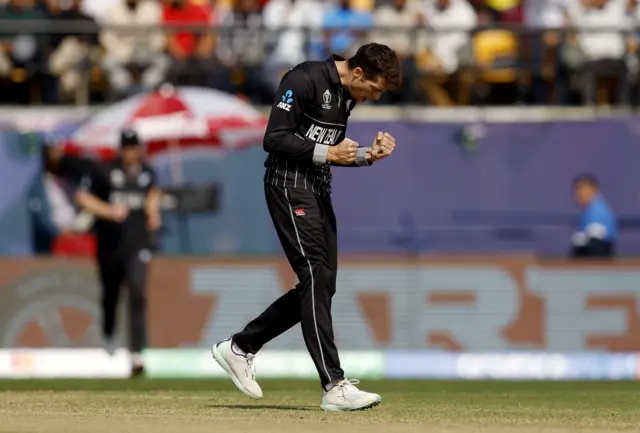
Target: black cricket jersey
112,183
309,115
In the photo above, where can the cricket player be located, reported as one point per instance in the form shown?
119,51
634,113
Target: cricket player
124,198
304,138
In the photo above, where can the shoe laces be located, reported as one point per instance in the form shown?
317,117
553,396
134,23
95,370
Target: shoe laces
348,386
250,369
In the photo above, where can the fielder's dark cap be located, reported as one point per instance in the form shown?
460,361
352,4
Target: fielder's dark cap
128,138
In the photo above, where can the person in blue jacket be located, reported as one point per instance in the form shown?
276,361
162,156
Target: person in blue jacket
598,228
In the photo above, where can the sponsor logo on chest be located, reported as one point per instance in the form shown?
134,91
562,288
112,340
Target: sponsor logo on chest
287,100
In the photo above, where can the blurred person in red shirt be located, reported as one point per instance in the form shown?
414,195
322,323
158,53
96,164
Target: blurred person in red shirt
192,51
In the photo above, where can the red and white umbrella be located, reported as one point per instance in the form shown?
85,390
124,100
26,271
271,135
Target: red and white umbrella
170,118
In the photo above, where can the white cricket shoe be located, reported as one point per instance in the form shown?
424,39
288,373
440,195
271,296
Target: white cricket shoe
345,396
239,367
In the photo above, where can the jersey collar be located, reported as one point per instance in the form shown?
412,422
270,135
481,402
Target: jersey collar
335,77
119,163
333,71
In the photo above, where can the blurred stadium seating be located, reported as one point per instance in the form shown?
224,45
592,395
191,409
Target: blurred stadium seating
455,52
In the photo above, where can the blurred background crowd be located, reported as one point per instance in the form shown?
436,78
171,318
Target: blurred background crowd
455,52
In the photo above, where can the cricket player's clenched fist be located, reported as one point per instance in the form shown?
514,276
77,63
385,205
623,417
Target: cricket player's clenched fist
383,145
344,153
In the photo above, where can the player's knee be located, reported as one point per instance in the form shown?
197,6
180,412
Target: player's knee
317,272
323,273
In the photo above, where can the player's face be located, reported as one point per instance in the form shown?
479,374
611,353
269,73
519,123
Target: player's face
131,154
584,193
363,89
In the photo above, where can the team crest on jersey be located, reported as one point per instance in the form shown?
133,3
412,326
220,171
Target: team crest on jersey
287,100
144,179
117,178
326,97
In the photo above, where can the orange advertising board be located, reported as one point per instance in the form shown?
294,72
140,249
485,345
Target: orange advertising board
453,303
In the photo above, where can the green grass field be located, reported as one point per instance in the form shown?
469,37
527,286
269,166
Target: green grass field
198,406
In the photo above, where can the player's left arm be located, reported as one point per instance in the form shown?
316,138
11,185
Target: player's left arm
152,204
383,145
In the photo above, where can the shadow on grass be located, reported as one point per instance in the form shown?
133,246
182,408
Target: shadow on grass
262,407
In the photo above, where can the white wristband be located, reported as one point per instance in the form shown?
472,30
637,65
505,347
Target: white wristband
320,154
361,156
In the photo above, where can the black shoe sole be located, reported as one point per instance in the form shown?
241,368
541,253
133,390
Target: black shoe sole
137,372
367,407
371,406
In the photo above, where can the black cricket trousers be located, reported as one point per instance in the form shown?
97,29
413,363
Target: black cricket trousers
117,269
306,226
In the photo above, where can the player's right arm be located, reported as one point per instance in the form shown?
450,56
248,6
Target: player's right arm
88,200
281,138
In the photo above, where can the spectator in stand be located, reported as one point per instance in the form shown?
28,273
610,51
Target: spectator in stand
345,28
546,66
496,62
97,9
242,50
288,42
633,58
449,42
192,51
134,59
388,18
72,54
20,54
451,21
595,53
508,11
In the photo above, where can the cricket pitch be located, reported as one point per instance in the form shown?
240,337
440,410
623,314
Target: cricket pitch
199,406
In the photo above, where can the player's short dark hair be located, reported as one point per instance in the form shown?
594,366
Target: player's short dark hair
377,60
588,179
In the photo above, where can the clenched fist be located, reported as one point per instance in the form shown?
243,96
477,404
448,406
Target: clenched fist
383,145
344,153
